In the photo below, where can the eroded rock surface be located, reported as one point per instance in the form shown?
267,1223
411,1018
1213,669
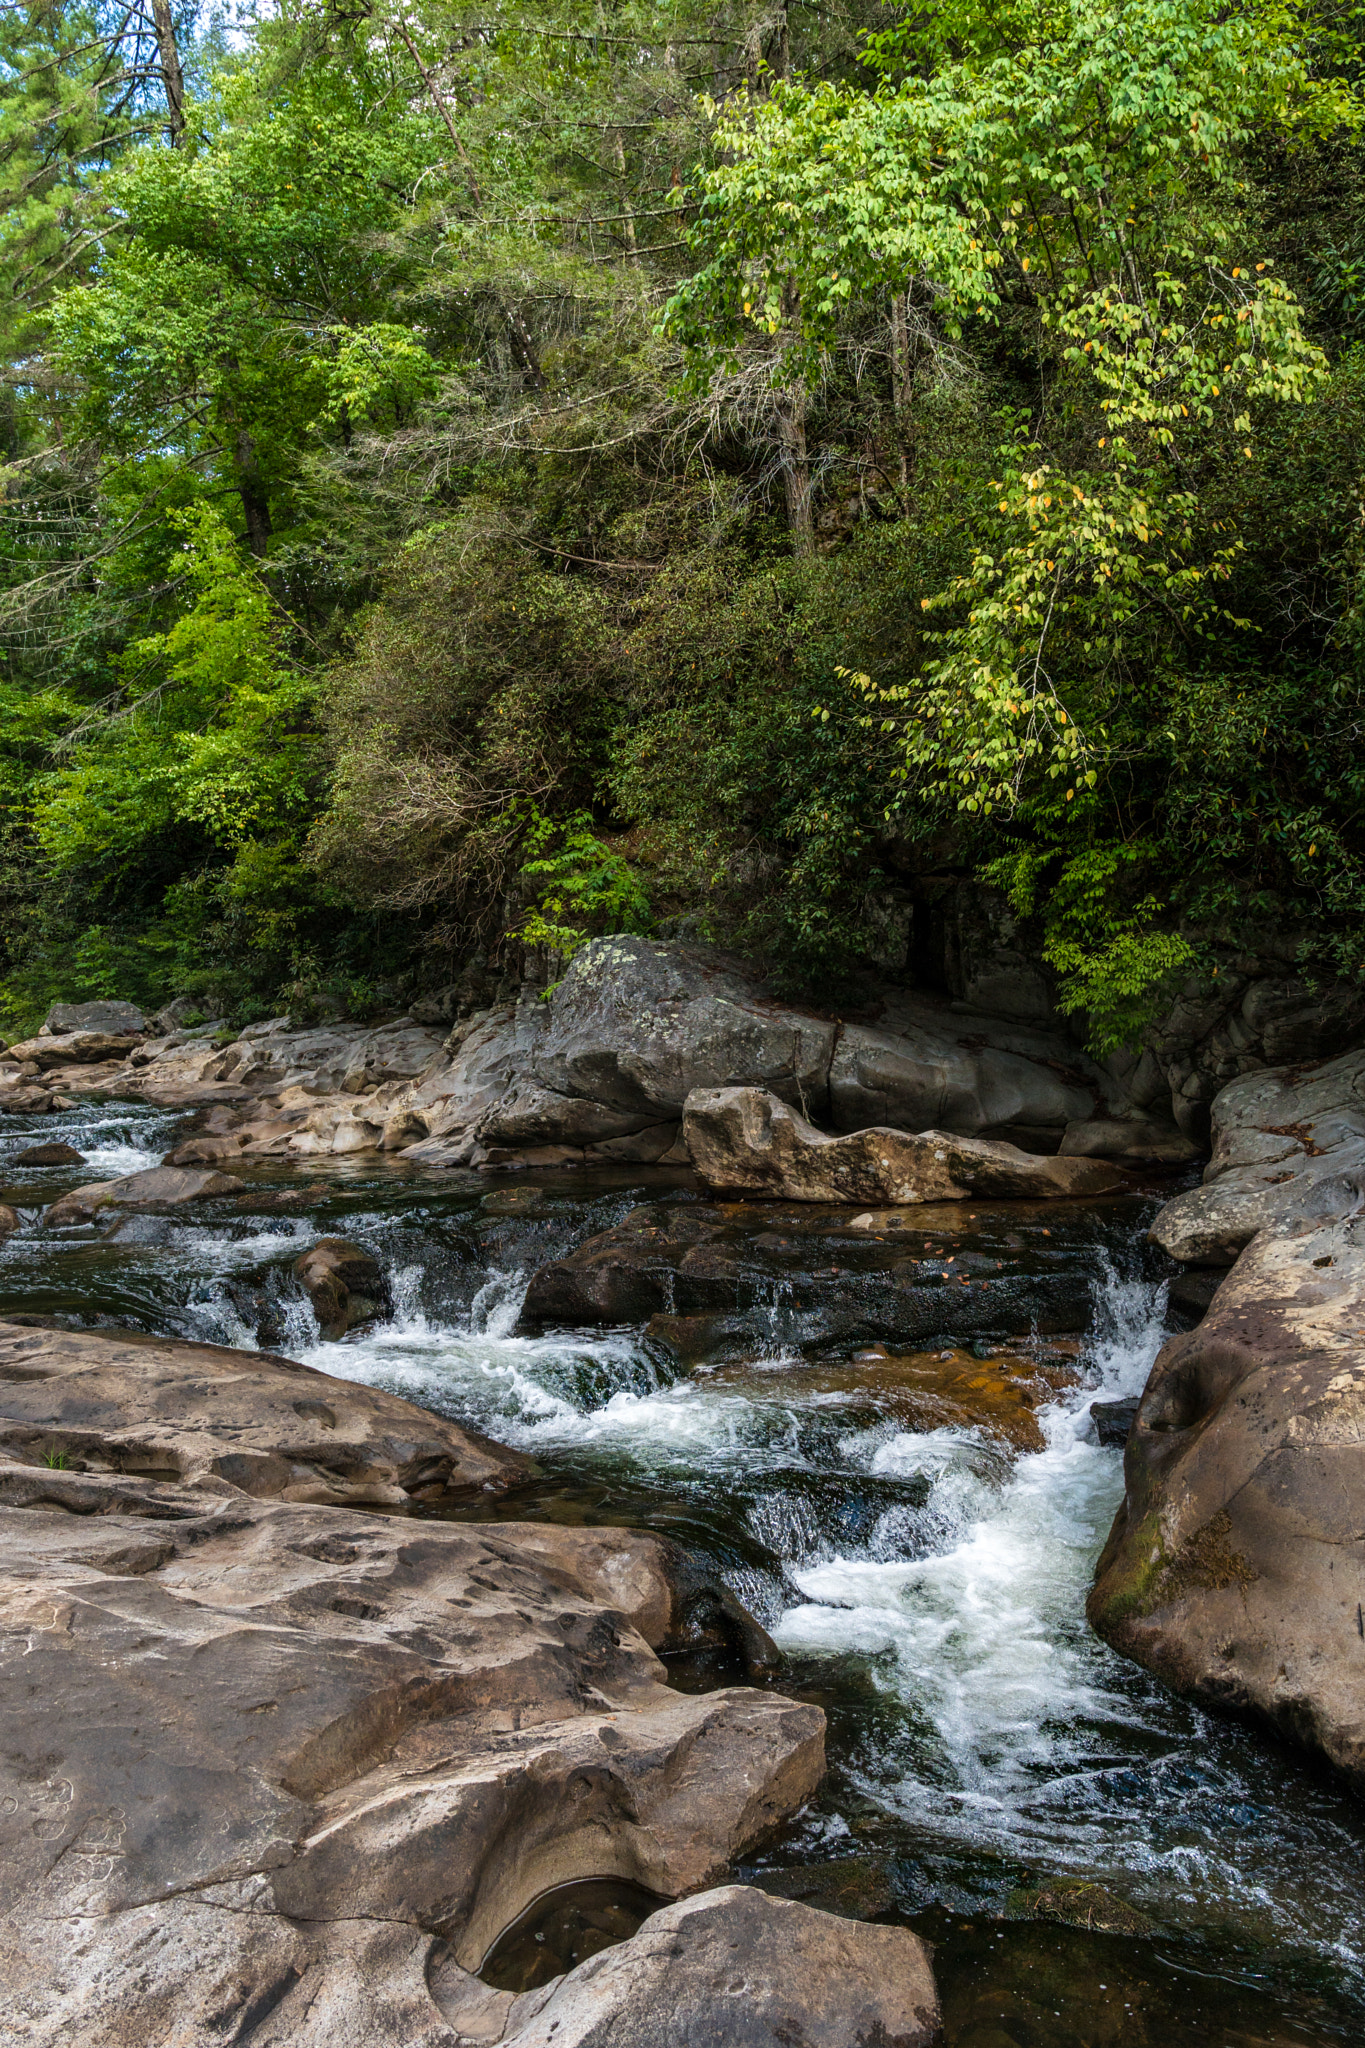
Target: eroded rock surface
1288,1146
205,1415
157,1187
744,1141
1236,1564
733,1965
343,1282
280,1774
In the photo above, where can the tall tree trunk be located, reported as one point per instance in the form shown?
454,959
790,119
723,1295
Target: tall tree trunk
172,77
251,488
627,212
901,385
791,431
782,50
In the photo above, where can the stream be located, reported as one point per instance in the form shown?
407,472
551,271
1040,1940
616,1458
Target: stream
988,1755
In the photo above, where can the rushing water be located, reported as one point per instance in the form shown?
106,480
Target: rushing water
926,1586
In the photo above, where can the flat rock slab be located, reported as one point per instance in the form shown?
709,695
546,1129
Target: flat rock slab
815,1274
157,1187
1236,1564
1288,1146
274,1770
745,1141
204,1414
733,1966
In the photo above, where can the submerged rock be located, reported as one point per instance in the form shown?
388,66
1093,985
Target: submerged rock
820,1275
1235,1565
743,1141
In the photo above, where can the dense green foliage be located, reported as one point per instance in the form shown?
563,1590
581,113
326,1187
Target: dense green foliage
475,478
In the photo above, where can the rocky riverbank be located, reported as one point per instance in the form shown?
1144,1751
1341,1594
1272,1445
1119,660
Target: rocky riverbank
1236,1565
601,1073
277,1771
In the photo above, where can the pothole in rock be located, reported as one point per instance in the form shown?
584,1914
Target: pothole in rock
563,1928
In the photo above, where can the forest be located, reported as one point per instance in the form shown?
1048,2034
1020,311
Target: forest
477,476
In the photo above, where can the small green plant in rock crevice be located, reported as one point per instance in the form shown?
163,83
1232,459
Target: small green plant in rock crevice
584,887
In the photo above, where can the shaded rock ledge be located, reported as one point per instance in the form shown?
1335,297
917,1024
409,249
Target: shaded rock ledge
280,1772
1288,1147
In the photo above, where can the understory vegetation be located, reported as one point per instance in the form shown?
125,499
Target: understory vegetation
479,476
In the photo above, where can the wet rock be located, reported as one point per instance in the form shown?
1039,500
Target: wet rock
813,1274
1287,1146
156,1188
231,1420
115,1019
734,1964
743,1141
293,1769
344,1283
1113,1420
9,1220
283,1201
49,1155
1135,1142
1075,1902
1235,1564
1191,1293
855,1887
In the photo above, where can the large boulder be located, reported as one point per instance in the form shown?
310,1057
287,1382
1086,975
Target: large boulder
120,1020
925,1066
744,1141
1236,1563
1288,1146
79,1049
343,1282
286,1772
733,1966
638,1025
119,1401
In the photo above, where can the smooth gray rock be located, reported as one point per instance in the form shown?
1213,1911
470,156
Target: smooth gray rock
1288,1147
924,1066
154,1188
1131,1139
116,1019
743,1141
638,1025
732,1966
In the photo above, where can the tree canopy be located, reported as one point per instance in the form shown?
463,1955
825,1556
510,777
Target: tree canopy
477,476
